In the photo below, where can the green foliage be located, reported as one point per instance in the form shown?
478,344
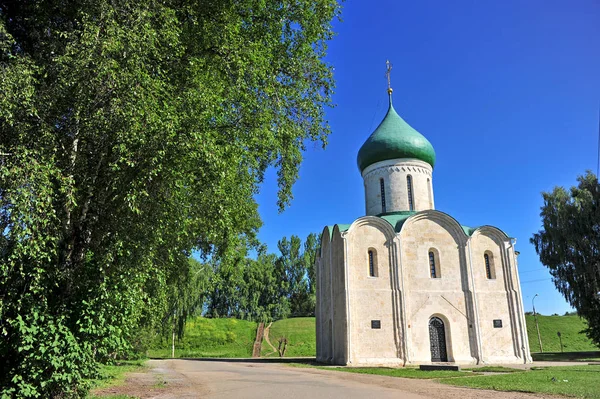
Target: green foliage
570,313
247,288
267,288
296,268
131,134
203,337
262,298
578,381
571,329
187,290
569,245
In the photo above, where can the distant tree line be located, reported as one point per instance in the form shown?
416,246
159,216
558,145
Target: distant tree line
264,287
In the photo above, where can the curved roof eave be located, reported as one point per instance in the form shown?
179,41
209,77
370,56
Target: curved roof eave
466,231
397,220
493,228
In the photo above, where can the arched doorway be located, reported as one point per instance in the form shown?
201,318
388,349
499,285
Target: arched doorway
437,340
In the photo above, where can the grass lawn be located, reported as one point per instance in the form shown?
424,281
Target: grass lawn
579,381
570,328
566,356
114,374
300,332
204,337
493,369
407,372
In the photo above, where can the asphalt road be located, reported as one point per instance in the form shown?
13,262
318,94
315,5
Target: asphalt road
169,379
264,381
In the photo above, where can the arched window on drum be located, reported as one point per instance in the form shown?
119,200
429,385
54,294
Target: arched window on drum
382,189
409,190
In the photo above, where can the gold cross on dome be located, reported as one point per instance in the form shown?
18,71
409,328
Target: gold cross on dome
388,72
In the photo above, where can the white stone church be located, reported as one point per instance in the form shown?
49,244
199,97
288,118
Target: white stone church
408,284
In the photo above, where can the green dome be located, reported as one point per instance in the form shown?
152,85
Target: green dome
394,138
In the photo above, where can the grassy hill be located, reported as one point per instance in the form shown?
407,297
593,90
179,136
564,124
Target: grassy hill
300,333
569,327
211,338
234,338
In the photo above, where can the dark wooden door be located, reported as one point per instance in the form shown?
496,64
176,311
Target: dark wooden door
437,339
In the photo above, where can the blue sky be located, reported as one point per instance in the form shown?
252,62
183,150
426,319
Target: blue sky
508,93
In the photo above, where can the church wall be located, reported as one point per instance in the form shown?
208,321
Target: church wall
442,297
340,327
318,292
324,320
394,173
496,302
371,298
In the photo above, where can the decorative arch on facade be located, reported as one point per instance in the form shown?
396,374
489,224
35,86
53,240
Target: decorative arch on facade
492,232
338,253
500,239
326,235
497,236
383,225
443,219
325,239
336,232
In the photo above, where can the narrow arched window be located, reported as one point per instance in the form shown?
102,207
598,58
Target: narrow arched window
382,188
372,263
433,269
489,266
409,189
430,193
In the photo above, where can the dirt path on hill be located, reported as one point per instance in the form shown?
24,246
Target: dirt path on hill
266,336
261,379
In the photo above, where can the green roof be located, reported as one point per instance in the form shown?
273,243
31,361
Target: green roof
394,138
397,219
342,227
468,230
